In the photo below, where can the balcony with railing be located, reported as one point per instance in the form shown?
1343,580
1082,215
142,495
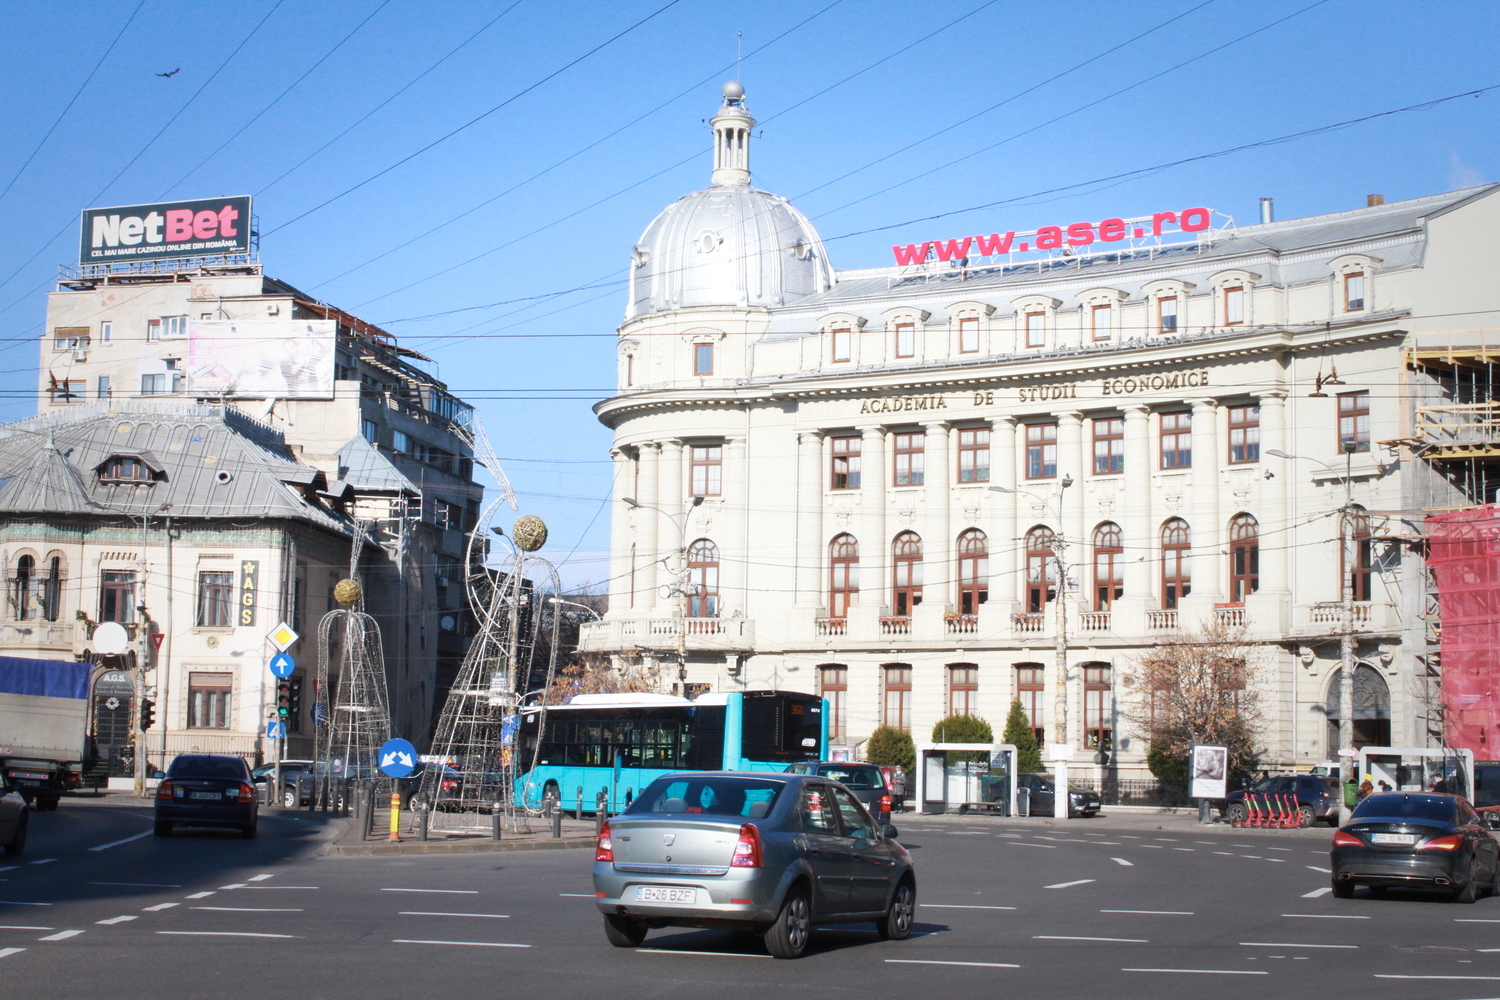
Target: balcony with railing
1029,622
1230,615
831,626
898,625
960,624
1163,620
700,634
1094,621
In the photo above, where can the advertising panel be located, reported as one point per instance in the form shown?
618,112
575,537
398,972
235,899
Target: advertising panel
261,359
1208,770
211,227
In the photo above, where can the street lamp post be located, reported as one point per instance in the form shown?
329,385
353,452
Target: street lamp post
1060,800
678,521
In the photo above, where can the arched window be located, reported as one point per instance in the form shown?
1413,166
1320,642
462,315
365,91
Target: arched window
1109,581
1041,568
1372,709
1244,557
52,590
1098,707
1176,562
1029,691
833,684
973,571
703,579
843,574
1357,528
906,590
23,592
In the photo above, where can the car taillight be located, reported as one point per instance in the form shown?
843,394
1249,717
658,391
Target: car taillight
247,793
1452,842
1342,839
747,848
604,850
885,803
164,790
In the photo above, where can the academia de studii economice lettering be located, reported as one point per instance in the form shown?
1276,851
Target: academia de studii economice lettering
1123,386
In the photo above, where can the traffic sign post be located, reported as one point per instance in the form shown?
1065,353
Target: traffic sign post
398,758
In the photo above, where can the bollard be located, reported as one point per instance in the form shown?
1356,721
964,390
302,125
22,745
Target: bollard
421,806
599,812
495,818
557,823
395,836
579,814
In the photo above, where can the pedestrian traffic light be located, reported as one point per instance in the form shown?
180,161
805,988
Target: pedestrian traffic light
148,713
283,699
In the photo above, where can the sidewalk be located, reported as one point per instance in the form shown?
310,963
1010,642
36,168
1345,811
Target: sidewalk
1131,820
457,833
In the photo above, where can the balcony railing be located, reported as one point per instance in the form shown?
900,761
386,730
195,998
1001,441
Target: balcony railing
1162,621
961,624
1332,612
832,626
1095,621
1231,615
1032,621
711,633
895,626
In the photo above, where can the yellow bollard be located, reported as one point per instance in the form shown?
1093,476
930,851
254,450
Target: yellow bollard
395,836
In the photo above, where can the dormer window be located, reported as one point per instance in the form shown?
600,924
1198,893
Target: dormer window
906,340
1354,291
842,339
1166,314
1234,306
124,469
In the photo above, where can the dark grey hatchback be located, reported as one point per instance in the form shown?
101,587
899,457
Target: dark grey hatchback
750,851
206,790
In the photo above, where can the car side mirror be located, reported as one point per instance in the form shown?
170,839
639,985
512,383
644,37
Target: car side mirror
889,832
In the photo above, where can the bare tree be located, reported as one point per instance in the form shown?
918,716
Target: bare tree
1200,688
597,675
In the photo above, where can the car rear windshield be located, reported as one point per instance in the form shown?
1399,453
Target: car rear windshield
859,778
207,767
1434,807
709,795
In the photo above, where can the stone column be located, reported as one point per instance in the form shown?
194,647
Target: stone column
731,528
1210,565
1140,562
874,540
620,597
939,569
648,528
808,499
1004,587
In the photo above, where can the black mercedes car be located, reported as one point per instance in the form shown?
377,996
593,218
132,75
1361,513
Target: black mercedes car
1418,840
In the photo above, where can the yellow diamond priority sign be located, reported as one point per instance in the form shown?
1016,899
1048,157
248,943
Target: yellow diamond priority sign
283,636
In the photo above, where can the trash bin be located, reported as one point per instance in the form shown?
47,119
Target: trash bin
1023,801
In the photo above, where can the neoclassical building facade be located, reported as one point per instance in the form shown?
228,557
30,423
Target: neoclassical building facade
879,484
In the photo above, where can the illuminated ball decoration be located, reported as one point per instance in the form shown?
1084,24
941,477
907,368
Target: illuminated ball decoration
347,592
529,532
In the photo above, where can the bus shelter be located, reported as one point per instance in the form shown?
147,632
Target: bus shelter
1418,769
966,777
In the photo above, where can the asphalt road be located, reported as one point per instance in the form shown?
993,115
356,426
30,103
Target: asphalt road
1095,907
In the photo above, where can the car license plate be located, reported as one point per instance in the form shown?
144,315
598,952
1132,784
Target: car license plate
664,894
207,795
1394,838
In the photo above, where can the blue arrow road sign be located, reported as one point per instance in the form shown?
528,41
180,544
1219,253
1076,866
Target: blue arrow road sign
282,665
398,758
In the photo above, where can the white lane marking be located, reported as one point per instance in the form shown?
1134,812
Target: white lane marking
60,936
1279,861
1184,848
7,952
1325,871
1227,854
1324,916
1064,885
117,920
1126,836
502,944
1122,861
1206,972
117,843
201,895
1111,843
1166,840
44,861
578,895
18,902
462,892
1473,920
235,885
493,916
22,927
1213,843
928,961
283,887
1154,847
158,906
143,885
1164,913
1317,892
224,934
260,878
1263,944
1252,857
251,909
963,906
1017,843
1486,978
1069,937
1287,849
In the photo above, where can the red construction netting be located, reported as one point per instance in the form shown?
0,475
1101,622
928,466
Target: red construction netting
1464,554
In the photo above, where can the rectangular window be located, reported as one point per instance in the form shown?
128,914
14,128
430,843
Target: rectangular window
153,329
1103,319
215,598
1354,291
630,369
842,341
1029,693
833,684
974,455
897,696
1109,445
370,430
104,391
968,335
447,515
703,359
70,338
1244,433
963,689
1176,440
1097,707
174,327
400,442
1036,329
1166,314
106,331
846,463
906,340
178,380
154,385
910,457
69,390
707,469
1234,306
1354,421
210,700
117,597
1041,451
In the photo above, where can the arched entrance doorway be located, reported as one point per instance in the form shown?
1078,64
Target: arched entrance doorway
113,708
1372,710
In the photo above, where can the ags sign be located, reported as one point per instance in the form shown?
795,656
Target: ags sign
1077,234
207,228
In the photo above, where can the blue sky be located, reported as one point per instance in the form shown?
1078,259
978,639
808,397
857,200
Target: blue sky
621,132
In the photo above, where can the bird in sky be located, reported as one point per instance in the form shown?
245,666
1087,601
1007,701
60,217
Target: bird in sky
173,73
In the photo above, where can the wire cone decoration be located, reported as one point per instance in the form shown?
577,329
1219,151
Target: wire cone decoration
352,716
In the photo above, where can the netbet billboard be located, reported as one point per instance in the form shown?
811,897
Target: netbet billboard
211,227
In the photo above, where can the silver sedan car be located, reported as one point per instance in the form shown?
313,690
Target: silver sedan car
750,851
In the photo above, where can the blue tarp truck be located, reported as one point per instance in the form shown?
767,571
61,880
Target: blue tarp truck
44,741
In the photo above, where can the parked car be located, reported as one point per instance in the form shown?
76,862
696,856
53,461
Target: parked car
1422,840
14,818
868,782
287,796
1317,797
206,790
767,853
1039,786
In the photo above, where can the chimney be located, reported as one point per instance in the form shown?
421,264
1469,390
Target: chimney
1267,214
1371,200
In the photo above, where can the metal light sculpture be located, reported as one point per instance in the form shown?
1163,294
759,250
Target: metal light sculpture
352,715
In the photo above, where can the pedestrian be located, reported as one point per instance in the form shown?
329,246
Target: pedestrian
1384,787
1365,788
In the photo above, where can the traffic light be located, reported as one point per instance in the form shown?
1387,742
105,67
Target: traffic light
283,699
294,697
148,713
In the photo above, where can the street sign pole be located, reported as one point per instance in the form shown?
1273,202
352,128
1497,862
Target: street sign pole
397,759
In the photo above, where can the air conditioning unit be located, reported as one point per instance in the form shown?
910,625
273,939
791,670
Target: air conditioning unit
81,354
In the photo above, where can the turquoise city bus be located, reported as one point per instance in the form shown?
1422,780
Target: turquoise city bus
581,743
